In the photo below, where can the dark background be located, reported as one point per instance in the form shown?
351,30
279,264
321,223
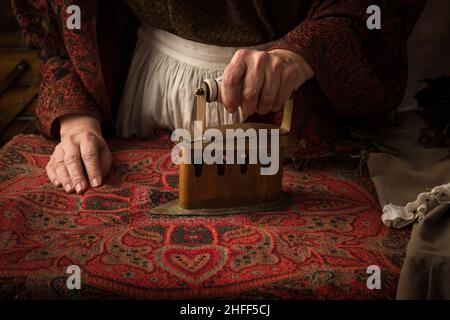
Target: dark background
7,21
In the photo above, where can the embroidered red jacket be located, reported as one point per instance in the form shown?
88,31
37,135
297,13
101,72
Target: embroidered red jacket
357,71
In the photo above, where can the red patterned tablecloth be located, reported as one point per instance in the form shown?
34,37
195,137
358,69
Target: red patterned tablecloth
320,247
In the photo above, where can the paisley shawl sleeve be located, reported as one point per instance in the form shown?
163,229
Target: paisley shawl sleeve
360,71
62,91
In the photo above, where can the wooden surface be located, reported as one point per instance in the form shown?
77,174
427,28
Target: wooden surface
18,100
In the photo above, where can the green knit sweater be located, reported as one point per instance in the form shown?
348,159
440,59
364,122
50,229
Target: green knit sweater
223,22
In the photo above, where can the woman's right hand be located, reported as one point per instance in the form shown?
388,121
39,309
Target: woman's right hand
82,147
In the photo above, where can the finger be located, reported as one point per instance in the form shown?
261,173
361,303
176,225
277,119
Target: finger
61,170
72,160
279,100
106,160
269,90
90,154
253,82
51,174
233,74
283,95
288,84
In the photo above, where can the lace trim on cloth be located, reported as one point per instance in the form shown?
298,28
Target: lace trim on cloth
398,216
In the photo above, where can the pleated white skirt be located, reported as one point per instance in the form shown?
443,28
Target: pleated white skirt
164,73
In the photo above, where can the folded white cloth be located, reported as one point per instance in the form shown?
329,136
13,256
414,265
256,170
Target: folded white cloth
396,216
399,216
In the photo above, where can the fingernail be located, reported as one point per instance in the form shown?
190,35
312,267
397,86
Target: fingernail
56,183
78,187
68,187
95,182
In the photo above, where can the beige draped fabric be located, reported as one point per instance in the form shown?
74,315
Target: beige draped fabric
398,180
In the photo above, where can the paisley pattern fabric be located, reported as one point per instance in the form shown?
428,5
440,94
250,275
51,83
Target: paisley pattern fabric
319,247
80,70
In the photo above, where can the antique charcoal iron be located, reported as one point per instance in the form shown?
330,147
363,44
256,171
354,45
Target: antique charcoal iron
229,188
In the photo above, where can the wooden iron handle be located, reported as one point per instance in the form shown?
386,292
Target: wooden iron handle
209,91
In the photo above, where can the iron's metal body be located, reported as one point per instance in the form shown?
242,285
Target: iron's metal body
228,188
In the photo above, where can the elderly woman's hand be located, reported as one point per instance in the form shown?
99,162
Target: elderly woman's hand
82,148
261,82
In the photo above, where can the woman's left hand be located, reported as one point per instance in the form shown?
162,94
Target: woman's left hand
261,82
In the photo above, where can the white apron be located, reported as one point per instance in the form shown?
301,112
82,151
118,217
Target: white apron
164,73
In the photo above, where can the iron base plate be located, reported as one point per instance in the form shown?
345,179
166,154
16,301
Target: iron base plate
172,208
